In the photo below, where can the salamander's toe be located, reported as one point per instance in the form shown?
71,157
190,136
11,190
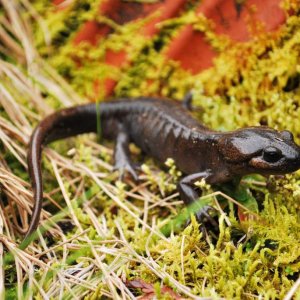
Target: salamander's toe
204,216
124,168
207,219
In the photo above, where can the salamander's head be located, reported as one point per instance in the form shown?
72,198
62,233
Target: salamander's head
260,150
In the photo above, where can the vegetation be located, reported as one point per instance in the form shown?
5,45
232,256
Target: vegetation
103,238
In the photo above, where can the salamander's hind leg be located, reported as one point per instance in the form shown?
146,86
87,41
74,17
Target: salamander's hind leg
190,196
187,101
122,158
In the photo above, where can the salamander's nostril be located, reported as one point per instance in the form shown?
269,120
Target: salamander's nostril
297,157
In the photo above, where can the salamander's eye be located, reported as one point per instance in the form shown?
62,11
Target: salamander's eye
272,154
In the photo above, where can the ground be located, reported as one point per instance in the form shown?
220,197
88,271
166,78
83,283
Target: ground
100,237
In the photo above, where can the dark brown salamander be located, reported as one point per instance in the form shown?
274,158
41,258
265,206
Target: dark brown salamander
165,129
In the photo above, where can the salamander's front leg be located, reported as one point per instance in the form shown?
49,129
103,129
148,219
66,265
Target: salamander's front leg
189,195
123,162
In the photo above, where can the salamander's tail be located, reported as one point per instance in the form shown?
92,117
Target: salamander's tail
65,123
35,173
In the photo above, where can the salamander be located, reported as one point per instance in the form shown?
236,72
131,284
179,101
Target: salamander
165,128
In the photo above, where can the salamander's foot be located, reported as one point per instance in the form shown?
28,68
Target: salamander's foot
126,167
206,219
204,215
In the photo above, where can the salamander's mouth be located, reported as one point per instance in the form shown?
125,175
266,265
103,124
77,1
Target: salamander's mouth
258,163
282,166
